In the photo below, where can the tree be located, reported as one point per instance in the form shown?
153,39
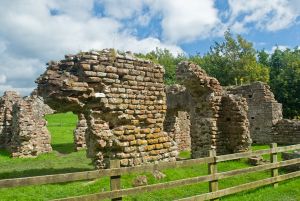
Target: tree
263,57
197,59
285,80
234,59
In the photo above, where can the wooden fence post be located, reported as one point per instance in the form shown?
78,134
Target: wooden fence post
115,181
212,169
274,159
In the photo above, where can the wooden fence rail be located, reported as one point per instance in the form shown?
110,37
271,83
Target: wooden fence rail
116,172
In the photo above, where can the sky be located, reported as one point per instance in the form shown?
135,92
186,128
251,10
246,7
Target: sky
33,32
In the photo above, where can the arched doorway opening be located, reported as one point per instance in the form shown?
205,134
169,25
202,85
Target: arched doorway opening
61,127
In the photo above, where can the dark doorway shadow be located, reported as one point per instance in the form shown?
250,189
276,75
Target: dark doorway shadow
65,148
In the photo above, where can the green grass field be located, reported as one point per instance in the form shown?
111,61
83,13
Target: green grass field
63,159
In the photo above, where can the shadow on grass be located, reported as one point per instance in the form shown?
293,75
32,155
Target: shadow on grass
65,148
39,172
3,152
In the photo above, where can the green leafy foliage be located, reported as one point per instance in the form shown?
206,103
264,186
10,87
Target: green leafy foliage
285,80
263,57
233,60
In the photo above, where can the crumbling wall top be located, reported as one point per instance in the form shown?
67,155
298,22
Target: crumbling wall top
196,79
210,127
72,83
259,91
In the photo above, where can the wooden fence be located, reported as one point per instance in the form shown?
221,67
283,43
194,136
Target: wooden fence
115,173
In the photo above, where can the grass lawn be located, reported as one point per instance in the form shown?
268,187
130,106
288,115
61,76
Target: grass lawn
64,159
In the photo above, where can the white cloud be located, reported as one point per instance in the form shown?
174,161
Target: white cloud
280,47
188,20
79,9
18,68
34,32
295,5
238,27
2,79
270,15
2,47
24,91
19,72
121,9
30,36
147,45
181,21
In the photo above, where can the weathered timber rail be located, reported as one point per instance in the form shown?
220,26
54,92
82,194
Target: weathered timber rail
116,172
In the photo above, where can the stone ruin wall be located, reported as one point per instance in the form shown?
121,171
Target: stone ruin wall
264,111
183,125
23,130
124,106
287,132
123,101
233,124
264,114
30,136
6,116
178,127
263,108
79,133
42,109
218,120
12,135
177,122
